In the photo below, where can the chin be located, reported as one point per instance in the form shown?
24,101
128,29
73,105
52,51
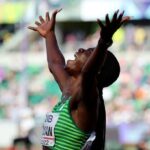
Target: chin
68,69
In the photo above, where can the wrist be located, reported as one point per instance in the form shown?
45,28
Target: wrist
50,33
107,42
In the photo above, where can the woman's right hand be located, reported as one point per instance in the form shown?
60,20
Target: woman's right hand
44,27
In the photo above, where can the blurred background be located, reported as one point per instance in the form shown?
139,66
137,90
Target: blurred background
28,90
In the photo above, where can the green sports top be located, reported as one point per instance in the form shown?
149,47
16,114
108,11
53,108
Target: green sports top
67,135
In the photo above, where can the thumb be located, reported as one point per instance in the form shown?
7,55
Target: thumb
124,20
32,28
55,13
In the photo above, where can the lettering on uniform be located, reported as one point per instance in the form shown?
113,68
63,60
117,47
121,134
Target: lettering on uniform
48,135
47,131
49,118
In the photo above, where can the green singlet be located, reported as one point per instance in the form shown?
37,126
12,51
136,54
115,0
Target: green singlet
67,135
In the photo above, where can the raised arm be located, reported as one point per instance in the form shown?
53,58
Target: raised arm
56,61
96,60
99,142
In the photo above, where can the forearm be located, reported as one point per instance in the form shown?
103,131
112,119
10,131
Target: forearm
97,58
54,54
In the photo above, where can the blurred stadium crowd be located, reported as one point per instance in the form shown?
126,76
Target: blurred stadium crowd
28,90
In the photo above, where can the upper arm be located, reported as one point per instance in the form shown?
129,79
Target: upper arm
88,83
60,74
88,91
96,60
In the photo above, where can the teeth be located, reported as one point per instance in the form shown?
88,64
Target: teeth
75,55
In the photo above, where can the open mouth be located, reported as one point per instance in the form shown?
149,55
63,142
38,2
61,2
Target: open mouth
76,56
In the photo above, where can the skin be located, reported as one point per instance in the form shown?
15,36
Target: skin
78,76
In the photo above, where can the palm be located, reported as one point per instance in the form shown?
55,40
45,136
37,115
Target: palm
112,26
44,26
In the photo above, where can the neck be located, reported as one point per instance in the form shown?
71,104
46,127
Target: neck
70,86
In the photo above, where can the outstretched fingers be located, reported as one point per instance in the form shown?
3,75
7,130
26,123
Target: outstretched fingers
107,20
41,19
32,28
125,19
47,16
55,12
37,23
120,16
118,21
100,23
115,16
58,10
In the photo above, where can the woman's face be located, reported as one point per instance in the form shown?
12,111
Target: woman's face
81,56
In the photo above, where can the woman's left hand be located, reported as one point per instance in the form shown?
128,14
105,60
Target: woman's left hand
110,27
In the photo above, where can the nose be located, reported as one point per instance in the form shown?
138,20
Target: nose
81,50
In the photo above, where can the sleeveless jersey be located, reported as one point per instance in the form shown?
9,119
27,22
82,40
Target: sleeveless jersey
67,135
